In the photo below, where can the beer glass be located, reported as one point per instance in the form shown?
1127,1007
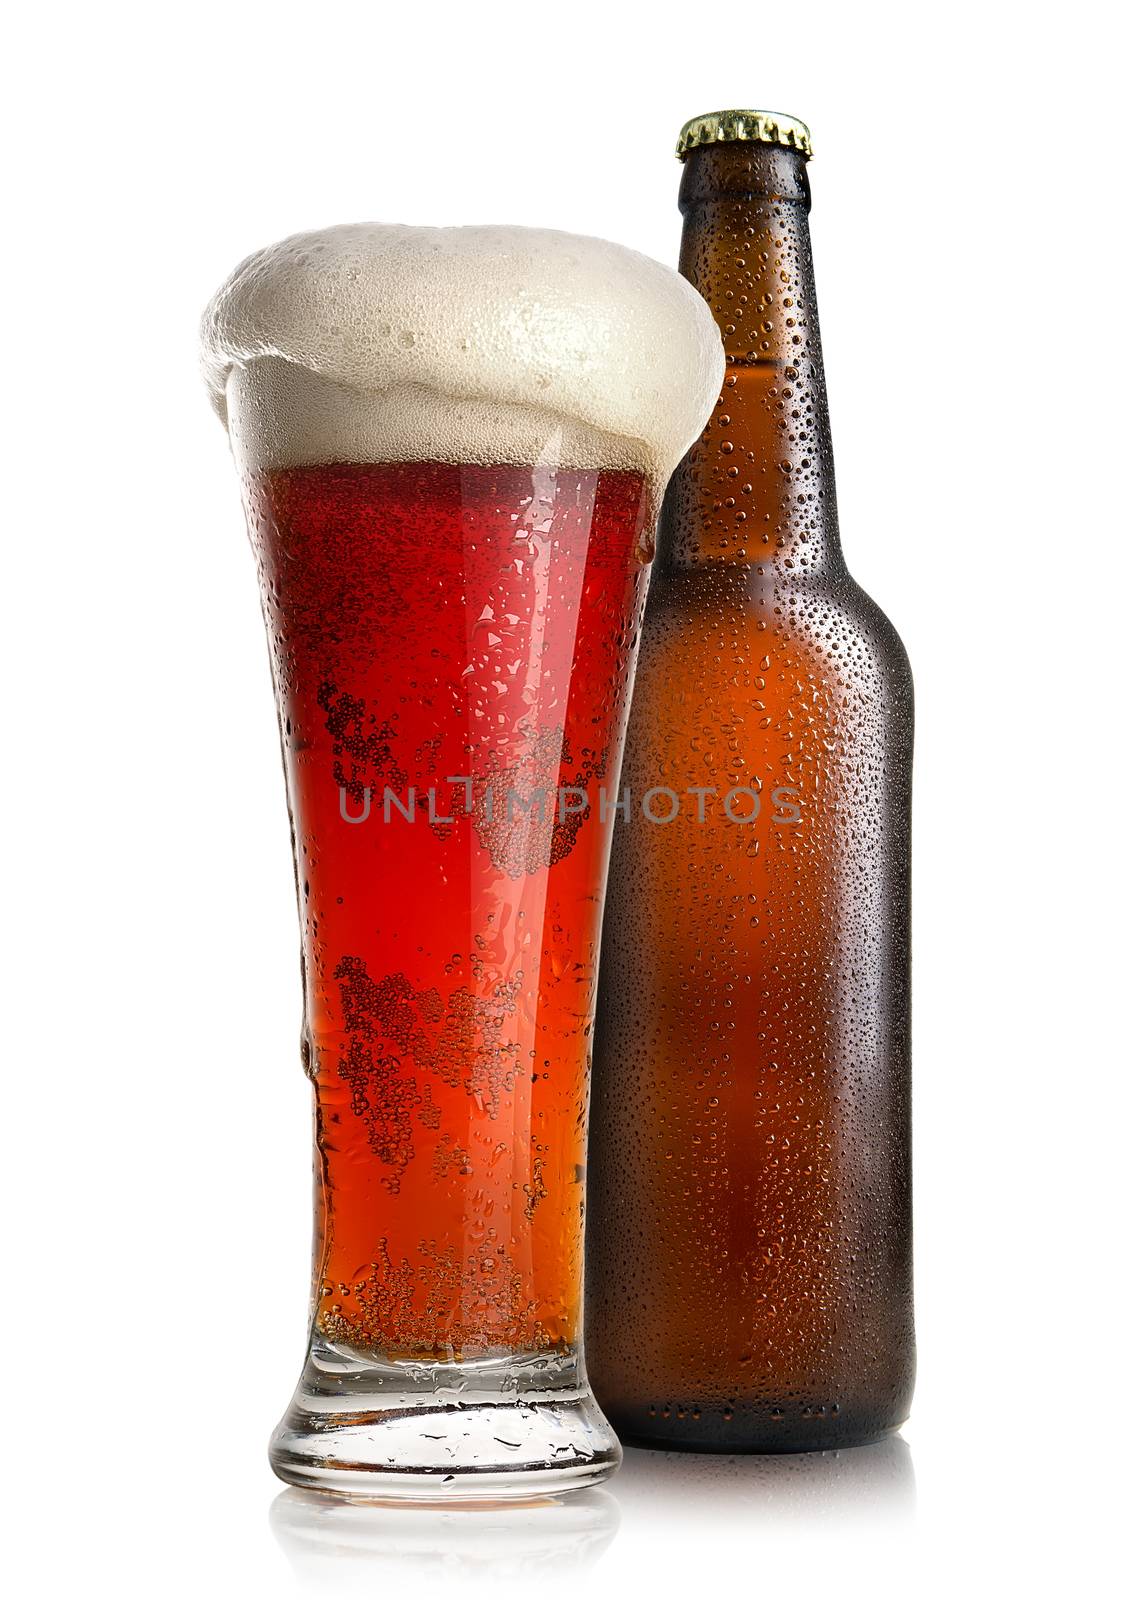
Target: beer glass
451,515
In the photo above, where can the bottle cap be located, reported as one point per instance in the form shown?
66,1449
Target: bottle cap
724,127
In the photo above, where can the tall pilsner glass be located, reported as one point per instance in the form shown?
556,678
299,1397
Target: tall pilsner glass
452,445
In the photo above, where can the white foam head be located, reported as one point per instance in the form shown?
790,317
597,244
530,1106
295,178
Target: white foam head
379,343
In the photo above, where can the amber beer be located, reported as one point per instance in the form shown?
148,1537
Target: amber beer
749,1259
440,683
450,468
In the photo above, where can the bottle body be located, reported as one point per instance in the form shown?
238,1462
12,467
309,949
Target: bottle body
749,1240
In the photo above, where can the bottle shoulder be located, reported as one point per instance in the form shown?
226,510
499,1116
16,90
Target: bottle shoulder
860,604
736,594
734,620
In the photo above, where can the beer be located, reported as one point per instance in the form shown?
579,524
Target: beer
749,1265
450,927
450,469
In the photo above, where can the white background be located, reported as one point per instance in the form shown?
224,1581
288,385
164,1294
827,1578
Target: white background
970,184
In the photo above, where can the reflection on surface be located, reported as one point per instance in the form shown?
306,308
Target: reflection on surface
344,1546
663,1498
872,1481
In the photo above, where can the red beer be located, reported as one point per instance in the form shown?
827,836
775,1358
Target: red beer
451,647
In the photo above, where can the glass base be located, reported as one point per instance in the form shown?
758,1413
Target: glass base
503,1427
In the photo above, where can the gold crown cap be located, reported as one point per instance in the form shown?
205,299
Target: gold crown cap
722,127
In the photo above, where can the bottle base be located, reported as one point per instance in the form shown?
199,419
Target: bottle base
742,1430
506,1427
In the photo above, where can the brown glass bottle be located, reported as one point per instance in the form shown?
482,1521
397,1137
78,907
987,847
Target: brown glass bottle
749,1230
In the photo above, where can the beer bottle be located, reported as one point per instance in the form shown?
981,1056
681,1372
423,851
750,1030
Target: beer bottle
749,1245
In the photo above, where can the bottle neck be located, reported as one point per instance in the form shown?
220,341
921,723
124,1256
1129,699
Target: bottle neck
756,490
